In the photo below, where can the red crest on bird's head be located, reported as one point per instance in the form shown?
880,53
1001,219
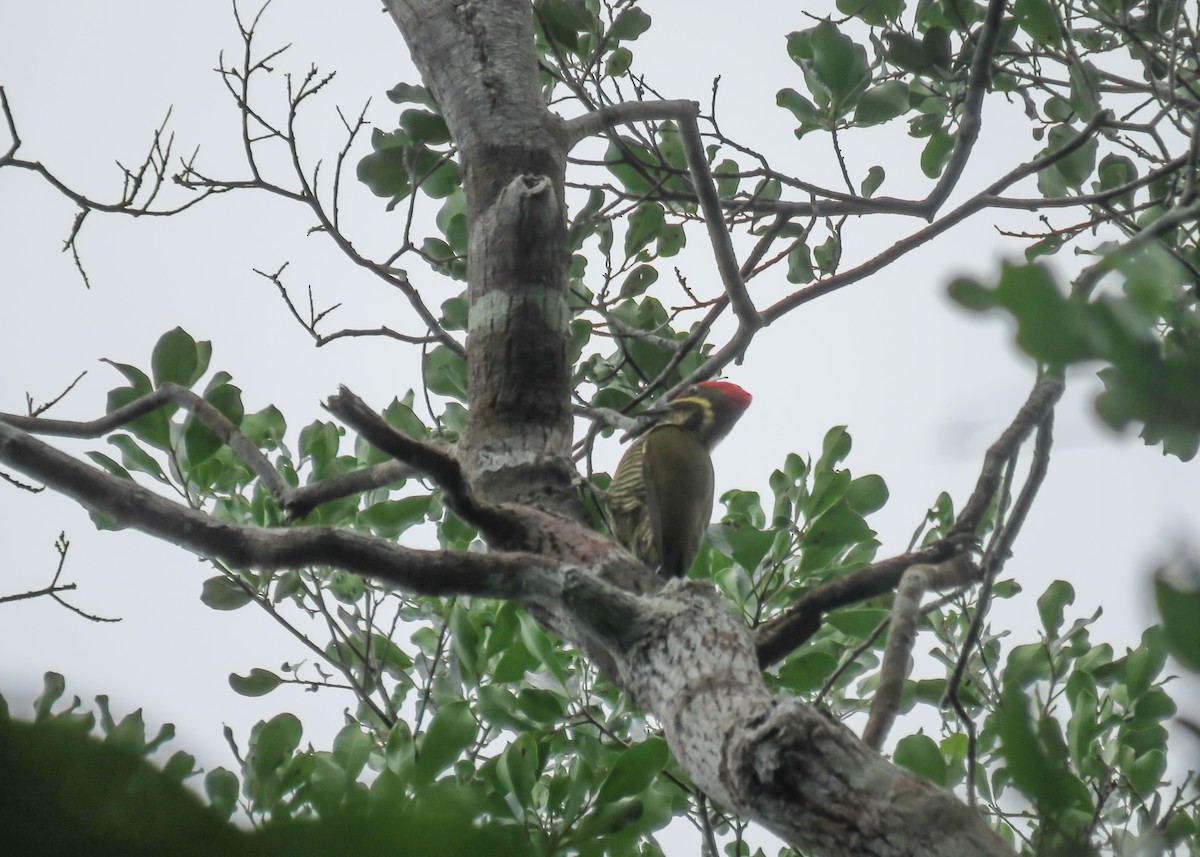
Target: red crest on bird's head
734,395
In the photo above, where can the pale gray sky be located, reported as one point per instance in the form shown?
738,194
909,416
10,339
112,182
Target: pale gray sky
923,387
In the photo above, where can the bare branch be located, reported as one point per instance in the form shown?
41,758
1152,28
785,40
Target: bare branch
53,590
42,408
310,325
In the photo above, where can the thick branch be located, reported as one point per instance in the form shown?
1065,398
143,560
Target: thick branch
496,575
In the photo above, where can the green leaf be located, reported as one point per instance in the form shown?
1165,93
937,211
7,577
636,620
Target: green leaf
936,42
800,268
406,93
439,182
518,768
352,748
749,545
835,446
390,518
154,427
562,21
671,239
836,69
67,793
1027,664
272,742
540,645
425,127
178,358
827,254
725,176
807,672
867,494
639,279
1050,328
1177,594
265,428
804,110
631,177
1052,603
346,587
921,755
446,373
464,637
53,687
498,706
1143,664
618,62
1083,727
645,224
858,622
609,818
451,731
882,103
1037,18
1070,170
1146,772
221,787
135,376
871,183
541,707
907,52
258,683
877,13
1037,776
385,171
634,770
936,153
221,593
630,24
136,458
109,465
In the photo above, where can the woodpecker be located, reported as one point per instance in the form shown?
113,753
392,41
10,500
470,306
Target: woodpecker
661,496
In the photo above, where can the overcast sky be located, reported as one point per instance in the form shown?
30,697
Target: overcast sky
923,387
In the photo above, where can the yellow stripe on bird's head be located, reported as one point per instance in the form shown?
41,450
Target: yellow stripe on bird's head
708,409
